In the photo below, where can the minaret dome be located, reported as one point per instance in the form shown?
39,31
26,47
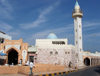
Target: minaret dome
77,11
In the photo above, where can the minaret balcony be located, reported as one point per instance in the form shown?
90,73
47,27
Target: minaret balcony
77,13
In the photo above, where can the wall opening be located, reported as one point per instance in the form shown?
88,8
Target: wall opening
87,61
12,57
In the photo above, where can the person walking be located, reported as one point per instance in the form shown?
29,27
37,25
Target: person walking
31,68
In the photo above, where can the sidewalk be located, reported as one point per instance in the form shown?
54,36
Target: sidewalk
47,72
12,75
65,70
40,73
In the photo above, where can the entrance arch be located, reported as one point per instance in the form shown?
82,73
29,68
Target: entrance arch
87,61
12,57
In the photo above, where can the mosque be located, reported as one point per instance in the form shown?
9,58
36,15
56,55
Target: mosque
51,50
57,51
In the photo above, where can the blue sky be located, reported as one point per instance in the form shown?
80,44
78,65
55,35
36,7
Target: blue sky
32,19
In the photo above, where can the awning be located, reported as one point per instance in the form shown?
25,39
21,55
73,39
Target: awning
2,54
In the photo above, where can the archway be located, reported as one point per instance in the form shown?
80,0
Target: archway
12,57
87,61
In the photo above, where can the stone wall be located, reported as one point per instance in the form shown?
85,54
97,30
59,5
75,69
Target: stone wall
56,55
39,68
26,69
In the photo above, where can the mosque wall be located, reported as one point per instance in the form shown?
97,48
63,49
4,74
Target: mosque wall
55,54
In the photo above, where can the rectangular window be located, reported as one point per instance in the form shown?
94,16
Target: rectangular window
58,42
31,58
76,42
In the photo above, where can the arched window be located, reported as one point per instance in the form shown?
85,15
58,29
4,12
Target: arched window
65,52
80,49
76,30
56,52
51,52
80,37
79,26
68,52
76,42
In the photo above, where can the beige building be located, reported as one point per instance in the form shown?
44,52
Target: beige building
16,50
4,36
32,57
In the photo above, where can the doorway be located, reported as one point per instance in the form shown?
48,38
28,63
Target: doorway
12,57
31,58
87,61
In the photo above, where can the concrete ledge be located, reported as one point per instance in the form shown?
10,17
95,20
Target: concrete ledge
53,74
39,70
57,73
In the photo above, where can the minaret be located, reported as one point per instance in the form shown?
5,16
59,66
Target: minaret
77,15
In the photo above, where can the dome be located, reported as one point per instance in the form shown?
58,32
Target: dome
77,5
52,36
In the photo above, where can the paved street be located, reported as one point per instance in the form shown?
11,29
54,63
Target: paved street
91,71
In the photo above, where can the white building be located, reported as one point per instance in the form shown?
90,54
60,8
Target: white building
55,51
91,59
58,51
4,36
32,53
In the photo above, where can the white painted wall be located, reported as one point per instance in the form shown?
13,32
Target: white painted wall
65,54
5,36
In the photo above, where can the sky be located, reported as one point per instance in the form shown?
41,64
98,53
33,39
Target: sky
35,19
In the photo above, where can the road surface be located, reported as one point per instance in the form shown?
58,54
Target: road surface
90,71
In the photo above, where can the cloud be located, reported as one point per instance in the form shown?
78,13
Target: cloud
97,34
15,34
5,9
91,31
56,30
43,34
41,18
90,24
67,30
5,27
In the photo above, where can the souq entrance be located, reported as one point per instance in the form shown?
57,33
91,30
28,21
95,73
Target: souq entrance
12,57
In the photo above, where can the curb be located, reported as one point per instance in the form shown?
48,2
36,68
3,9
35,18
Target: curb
57,74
